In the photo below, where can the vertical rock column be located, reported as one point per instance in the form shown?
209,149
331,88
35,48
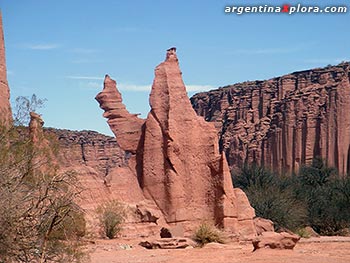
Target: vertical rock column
5,108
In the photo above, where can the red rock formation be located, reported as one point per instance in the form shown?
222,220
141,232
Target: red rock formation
5,108
88,148
275,240
101,167
178,161
283,122
36,128
125,126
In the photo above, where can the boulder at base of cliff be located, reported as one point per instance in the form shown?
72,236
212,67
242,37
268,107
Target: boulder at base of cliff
273,240
263,225
168,243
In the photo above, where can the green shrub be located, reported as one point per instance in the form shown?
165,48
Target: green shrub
207,233
327,196
111,217
272,196
317,196
278,205
302,232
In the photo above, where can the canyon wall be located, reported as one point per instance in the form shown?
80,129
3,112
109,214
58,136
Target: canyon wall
284,122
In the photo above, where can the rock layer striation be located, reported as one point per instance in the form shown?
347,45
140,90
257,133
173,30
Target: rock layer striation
284,122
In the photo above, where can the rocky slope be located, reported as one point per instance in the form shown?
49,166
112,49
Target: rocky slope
283,122
101,165
88,148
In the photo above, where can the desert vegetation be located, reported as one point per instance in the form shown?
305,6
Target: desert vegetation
207,233
40,220
317,196
111,215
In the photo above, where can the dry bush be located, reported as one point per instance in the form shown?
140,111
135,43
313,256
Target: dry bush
38,208
207,233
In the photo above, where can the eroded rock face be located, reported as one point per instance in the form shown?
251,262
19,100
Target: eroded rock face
36,128
178,163
125,126
100,164
283,122
263,225
89,148
5,108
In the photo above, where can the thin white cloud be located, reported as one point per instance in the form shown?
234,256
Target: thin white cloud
199,87
84,50
147,88
131,87
85,77
46,46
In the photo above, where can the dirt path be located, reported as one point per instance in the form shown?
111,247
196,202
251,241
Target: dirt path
317,250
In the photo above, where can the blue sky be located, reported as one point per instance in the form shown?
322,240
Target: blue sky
61,50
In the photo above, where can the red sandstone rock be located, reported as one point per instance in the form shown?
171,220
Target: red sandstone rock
168,243
282,240
36,129
283,122
178,163
125,126
5,108
263,225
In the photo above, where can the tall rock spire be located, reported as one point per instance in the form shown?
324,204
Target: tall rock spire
5,108
183,170
178,162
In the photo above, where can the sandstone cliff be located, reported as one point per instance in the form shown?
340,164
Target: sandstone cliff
5,108
177,159
283,122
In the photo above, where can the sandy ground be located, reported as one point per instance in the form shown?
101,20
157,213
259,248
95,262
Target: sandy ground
318,250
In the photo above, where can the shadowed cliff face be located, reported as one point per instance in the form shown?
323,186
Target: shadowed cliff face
283,122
